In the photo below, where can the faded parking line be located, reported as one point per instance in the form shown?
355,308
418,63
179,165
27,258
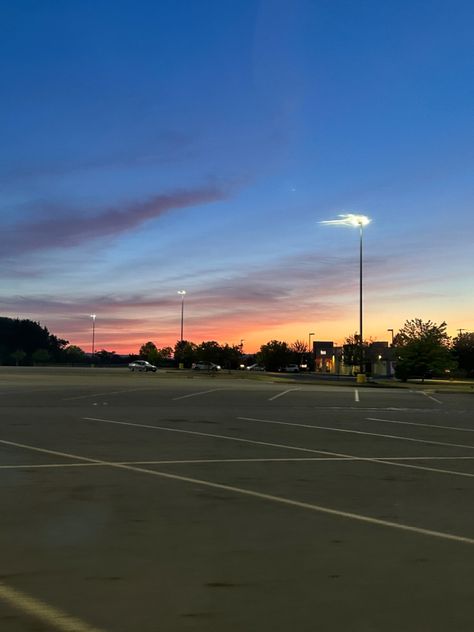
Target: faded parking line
433,399
214,390
270,399
412,423
44,612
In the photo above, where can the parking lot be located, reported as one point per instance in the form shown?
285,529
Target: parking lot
168,503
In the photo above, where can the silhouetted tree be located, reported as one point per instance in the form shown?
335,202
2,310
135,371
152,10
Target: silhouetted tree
75,354
28,336
422,350
463,352
18,356
40,356
351,350
149,352
274,355
185,352
299,349
107,357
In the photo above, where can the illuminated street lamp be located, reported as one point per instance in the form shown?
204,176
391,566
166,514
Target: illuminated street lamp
182,293
356,221
93,316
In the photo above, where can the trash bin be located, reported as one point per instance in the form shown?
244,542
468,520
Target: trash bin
361,378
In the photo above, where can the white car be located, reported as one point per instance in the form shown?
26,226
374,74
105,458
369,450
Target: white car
291,368
206,366
255,367
142,365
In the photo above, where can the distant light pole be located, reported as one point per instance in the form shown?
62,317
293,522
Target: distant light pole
309,344
391,330
357,221
93,316
182,293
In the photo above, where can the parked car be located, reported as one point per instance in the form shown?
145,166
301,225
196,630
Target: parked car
291,368
142,365
255,367
206,366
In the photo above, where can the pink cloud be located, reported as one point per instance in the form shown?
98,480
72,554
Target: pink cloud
292,294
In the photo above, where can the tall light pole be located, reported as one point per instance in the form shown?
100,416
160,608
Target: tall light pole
182,293
357,221
391,331
93,316
309,345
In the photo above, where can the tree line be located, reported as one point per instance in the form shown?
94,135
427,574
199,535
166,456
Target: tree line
26,342
419,349
272,356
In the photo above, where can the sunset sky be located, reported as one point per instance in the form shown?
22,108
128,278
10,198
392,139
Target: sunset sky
149,147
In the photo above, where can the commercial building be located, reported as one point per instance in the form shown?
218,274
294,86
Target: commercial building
329,358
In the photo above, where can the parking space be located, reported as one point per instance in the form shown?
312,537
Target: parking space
167,503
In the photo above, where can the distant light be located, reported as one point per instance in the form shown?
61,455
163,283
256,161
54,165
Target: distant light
323,352
182,292
93,316
348,219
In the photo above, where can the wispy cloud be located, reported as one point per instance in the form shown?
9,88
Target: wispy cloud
163,147
71,228
266,297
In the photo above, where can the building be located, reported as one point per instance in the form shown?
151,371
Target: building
328,358
324,354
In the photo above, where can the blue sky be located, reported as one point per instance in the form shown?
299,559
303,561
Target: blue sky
154,146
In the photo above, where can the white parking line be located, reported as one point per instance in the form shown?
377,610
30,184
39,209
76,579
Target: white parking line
412,423
214,390
253,494
295,459
438,401
356,395
270,399
211,435
278,445
126,391
50,615
360,432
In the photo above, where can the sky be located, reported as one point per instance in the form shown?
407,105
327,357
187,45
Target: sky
151,147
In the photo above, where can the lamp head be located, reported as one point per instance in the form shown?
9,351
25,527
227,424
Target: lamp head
349,219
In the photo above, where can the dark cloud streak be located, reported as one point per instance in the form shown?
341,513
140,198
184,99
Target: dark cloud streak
68,231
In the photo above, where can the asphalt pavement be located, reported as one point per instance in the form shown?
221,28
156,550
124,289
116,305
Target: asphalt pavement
174,502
